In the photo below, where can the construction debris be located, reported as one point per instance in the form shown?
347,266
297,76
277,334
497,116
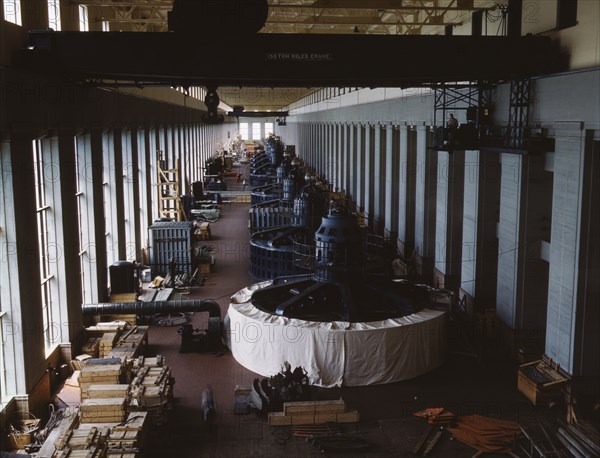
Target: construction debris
428,441
436,416
486,434
338,443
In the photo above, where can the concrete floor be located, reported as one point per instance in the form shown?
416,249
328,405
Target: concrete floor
462,385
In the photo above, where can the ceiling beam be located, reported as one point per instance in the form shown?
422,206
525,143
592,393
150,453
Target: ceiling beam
335,20
375,5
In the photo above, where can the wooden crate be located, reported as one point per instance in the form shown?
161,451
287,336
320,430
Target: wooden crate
539,382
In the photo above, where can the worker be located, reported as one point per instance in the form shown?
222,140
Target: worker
450,134
452,122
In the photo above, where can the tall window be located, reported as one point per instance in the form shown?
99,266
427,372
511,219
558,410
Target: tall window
105,26
269,128
85,221
244,131
256,131
84,25
45,244
2,364
54,14
12,11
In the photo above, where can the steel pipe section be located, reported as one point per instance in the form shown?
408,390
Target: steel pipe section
150,308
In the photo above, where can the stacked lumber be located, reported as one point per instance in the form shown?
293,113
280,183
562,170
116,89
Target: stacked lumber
154,361
68,422
103,410
130,344
83,438
152,386
92,347
581,438
107,342
99,329
106,391
127,317
92,452
128,437
79,361
313,413
96,374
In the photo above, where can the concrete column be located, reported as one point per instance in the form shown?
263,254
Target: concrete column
407,169
525,209
360,168
320,151
69,214
69,16
449,219
21,294
425,206
145,185
330,156
572,337
136,151
113,157
369,188
98,228
341,159
480,219
391,184
352,164
34,14
379,174
345,155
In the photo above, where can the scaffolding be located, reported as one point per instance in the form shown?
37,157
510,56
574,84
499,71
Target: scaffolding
169,194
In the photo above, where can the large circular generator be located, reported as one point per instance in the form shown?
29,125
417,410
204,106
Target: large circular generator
272,250
347,323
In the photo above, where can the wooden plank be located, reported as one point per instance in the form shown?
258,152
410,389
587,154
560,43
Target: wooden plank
279,419
163,295
314,407
123,297
108,391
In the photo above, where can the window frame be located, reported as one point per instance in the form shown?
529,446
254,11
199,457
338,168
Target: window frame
84,20
16,4
246,129
54,19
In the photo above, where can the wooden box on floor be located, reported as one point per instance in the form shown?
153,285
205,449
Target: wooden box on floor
539,382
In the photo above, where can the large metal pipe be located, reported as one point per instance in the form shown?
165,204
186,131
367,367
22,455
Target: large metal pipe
151,308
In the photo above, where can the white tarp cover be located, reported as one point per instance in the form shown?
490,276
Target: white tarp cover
335,353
